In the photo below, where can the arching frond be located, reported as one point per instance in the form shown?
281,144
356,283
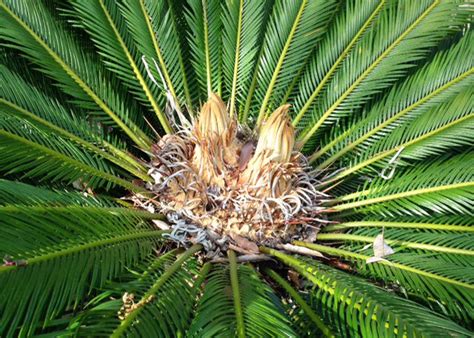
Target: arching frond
58,254
381,103
242,23
159,287
260,313
365,307
20,99
30,151
436,187
447,75
205,39
306,315
45,42
403,33
446,126
456,223
292,32
419,274
17,193
102,20
342,35
160,43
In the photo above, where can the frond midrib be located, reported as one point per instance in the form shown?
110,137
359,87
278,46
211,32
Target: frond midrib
343,55
135,235
405,145
234,282
281,59
158,52
408,225
400,243
73,162
352,205
124,325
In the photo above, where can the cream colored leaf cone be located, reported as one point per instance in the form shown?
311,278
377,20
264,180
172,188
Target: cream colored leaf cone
275,146
214,131
214,120
277,135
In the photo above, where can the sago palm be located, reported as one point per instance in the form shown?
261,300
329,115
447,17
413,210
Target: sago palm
236,168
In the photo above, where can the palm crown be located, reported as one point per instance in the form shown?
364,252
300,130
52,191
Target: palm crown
381,106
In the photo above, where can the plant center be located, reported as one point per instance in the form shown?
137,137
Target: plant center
218,184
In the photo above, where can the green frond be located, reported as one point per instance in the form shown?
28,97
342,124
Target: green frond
161,43
102,20
205,39
234,283
248,111
21,99
445,127
12,192
436,187
173,283
437,224
293,30
262,314
59,255
445,243
101,315
342,35
447,75
20,221
447,240
308,313
442,234
403,33
180,25
45,42
217,296
32,152
161,287
366,308
381,96
417,273
242,21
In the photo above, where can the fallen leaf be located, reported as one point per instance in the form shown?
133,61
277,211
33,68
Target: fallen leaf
381,250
